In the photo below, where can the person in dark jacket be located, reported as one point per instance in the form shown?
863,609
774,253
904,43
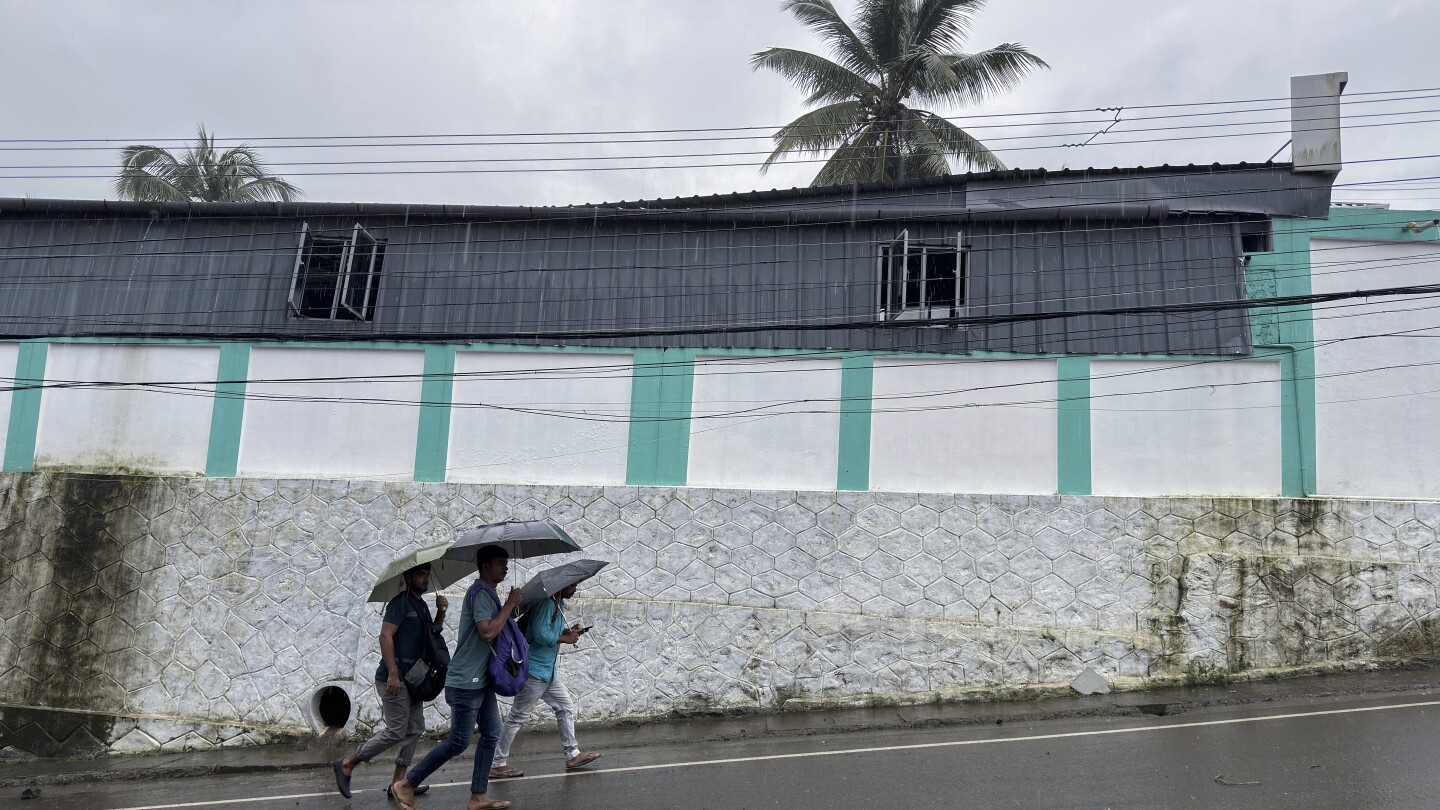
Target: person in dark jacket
545,630
402,642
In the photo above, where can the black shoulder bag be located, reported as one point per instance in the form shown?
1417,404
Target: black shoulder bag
426,679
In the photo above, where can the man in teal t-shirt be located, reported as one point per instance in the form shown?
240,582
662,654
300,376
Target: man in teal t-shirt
545,630
467,687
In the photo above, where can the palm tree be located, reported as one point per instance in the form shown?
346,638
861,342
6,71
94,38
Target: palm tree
899,51
201,173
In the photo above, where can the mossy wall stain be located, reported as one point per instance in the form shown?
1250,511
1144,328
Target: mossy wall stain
63,540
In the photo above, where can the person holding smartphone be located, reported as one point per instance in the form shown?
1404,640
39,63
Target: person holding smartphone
545,630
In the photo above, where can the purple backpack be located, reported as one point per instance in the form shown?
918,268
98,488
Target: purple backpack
509,655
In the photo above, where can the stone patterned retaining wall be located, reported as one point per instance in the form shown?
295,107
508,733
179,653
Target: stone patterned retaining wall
144,613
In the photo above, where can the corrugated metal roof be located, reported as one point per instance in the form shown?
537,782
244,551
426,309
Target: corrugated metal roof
1126,237
1282,192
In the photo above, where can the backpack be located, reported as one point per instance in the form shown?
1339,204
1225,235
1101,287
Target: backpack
426,679
509,653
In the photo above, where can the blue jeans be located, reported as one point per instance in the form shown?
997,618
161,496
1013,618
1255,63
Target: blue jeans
468,708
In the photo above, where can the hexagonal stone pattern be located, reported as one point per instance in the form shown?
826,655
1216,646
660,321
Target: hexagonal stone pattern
224,603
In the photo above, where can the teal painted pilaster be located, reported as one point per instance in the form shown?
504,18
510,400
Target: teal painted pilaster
662,386
1073,427
25,408
1296,331
857,387
227,418
432,442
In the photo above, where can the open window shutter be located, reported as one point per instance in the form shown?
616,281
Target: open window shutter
302,259
342,275
359,277
892,281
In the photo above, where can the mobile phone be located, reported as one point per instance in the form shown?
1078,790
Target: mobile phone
586,629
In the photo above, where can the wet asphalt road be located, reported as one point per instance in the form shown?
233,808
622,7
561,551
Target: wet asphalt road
1367,752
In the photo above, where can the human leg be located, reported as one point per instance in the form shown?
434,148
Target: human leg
464,703
519,712
558,698
487,718
413,729
394,720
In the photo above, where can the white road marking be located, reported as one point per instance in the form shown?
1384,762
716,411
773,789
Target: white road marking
836,753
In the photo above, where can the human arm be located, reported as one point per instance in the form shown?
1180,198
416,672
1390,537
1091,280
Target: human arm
543,627
441,605
387,654
490,628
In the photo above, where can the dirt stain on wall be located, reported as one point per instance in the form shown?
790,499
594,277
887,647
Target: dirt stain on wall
63,544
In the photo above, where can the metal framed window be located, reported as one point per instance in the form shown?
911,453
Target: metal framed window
922,280
336,277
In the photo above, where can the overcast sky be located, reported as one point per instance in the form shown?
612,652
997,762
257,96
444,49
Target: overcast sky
147,70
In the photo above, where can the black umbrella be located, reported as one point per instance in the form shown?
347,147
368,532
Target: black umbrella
519,538
551,581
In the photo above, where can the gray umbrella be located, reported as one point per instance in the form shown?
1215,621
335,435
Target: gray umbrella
521,538
551,581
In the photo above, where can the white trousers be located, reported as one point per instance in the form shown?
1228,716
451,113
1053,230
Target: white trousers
557,697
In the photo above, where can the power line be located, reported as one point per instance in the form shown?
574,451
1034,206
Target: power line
582,216
1092,293
1326,99
786,162
626,370
180,389
407,161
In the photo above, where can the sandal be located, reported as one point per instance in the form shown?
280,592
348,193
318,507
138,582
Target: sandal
494,805
404,805
581,761
341,780
505,772
419,791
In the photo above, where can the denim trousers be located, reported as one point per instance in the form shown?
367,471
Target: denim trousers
558,698
468,708
404,719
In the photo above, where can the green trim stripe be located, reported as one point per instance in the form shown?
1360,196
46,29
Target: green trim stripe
1369,224
662,386
227,418
432,442
25,407
1073,469
857,388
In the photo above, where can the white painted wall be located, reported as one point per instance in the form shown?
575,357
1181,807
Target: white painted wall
1376,432
1185,428
492,444
163,431
9,356
993,448
285,437
777,443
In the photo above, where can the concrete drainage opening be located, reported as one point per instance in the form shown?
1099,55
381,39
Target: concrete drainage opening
330,705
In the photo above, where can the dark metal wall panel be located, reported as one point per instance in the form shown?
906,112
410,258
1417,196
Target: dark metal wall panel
217,277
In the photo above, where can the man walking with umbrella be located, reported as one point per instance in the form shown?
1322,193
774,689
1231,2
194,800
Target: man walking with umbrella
402,643
467,685
545,630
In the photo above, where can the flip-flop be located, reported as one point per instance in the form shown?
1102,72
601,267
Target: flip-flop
419,791
495,804
404,805
341,780
585,759
506,773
